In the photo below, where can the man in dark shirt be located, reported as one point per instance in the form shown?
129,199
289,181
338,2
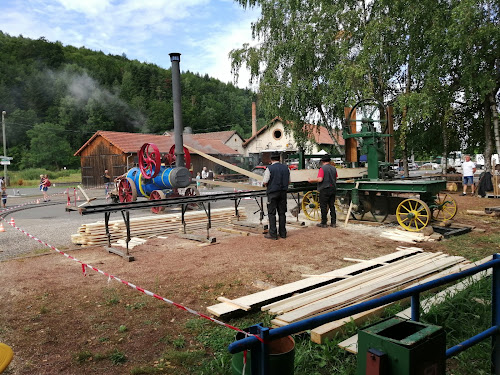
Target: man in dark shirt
276,179
327,187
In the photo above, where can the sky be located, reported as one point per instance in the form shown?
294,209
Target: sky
203,31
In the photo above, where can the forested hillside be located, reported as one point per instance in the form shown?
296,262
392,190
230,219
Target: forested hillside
57,96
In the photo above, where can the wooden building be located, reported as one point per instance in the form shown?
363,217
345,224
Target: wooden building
118,152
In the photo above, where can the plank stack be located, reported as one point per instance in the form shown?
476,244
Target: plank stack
150,226
334,290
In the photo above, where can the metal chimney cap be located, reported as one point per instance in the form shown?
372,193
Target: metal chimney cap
175,56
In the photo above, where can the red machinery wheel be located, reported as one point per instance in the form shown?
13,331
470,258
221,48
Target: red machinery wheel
170,157
149,160
155,195
126,190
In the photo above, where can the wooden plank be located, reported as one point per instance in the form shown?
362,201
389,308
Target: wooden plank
329,330
351,344
302,299
356,294
302,175
234,304
260,298
233,231
232,184
225,164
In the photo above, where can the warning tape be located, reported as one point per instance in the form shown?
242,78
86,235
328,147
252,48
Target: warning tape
112,277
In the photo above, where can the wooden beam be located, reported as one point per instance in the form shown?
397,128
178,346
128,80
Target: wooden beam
225,164
232,303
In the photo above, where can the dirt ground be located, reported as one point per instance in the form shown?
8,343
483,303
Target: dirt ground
51,314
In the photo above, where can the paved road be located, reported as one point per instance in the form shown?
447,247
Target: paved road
52,224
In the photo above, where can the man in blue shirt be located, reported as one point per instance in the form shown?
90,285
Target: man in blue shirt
276,179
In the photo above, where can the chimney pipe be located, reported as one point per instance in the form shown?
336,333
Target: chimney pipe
175,59
254,119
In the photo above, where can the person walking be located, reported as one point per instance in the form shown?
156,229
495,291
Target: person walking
44,186
327,188
276,178
204,175
468,170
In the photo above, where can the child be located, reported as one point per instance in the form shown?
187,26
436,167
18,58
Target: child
44,186
198,177
4,196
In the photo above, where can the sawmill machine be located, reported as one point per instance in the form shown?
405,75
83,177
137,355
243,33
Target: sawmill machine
153,179
415,202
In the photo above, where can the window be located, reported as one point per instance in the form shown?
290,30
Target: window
277,134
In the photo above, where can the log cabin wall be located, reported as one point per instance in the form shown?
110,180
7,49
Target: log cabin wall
100,155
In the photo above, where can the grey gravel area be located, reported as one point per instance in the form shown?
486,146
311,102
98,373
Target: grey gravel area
52,224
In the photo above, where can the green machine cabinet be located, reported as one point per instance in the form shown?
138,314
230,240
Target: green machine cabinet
401,347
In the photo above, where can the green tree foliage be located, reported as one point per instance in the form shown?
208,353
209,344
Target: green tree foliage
48,148
436,61
77,91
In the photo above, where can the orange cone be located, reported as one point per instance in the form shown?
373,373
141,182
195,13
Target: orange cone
2,229
12,222
77,197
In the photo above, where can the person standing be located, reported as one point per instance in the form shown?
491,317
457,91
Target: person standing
276,178
204,175
107,182
2,183
468,170
44,186
4,196
327,187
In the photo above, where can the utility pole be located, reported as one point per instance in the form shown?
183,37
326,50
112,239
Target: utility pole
4,148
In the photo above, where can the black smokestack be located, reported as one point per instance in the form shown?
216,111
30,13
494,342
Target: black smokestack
175,59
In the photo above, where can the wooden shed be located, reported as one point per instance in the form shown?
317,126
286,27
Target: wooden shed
117,152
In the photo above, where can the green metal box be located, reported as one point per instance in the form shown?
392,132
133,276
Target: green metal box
411,348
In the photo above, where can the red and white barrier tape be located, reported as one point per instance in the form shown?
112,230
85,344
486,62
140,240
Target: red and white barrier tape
142,290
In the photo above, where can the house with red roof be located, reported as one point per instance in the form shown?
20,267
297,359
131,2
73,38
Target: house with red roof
118,152
274,137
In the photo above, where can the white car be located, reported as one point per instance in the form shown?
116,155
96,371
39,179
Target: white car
430,166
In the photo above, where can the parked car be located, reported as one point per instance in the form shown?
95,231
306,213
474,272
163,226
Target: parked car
413,166
430,166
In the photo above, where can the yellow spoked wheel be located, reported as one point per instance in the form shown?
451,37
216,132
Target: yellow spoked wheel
413,214
310,205
446,208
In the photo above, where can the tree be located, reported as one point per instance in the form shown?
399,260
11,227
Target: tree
48,147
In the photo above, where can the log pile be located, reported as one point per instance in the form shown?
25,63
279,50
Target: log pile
334,290
150,226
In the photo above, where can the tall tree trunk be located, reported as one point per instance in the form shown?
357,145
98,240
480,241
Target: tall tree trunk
404,121
488,149
494,115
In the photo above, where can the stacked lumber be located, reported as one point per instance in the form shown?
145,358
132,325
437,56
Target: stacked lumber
367,285
351,344
408,237
368,279
154,225
259,299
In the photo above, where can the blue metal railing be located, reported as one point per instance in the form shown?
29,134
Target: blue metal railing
259,349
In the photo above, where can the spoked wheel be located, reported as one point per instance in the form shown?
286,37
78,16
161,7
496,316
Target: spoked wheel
156,195
149,160
310,205
446,208
126,190
413,214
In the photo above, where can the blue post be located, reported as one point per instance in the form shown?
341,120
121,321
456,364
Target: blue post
415,307
260,352
495,317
